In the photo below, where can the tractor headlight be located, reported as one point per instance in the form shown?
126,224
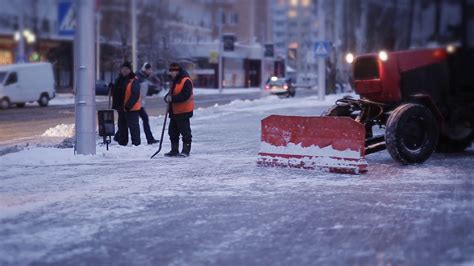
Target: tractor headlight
383,56
349,58
450,48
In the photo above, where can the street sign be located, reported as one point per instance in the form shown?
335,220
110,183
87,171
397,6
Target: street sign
322,49
66,19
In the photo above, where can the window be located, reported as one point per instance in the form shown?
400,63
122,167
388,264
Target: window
293,2
223,18
2,76
280,23
234,19
6,57
12,79
292,13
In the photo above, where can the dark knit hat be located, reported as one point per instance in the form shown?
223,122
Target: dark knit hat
174,67
127,65
146,66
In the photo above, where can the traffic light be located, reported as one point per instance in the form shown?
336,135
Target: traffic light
268,50
228,40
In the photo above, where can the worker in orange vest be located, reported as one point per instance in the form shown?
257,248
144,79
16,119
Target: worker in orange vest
126,100
181,103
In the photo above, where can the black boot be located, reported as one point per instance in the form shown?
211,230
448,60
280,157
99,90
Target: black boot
174,150
152,141
186,149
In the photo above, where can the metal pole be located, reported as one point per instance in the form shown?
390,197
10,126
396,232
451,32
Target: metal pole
133,11
262,64
221,50
85,96
321,59
21,41
97,41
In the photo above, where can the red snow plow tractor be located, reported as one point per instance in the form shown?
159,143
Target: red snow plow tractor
412,103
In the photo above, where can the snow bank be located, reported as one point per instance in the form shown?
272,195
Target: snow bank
62,130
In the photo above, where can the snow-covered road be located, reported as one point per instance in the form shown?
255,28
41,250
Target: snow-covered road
218,208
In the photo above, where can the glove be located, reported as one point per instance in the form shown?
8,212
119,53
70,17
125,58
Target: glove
168,98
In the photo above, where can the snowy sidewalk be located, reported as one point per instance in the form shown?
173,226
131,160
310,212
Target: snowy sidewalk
217,207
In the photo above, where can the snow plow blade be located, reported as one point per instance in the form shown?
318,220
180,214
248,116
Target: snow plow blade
334,144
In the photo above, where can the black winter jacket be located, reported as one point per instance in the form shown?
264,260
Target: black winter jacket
118,93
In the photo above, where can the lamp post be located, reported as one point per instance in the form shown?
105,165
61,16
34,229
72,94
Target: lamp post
221,50
133,12
21,41
20,37
321,59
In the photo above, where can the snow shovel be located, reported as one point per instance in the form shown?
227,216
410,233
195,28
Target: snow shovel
334,144
162,131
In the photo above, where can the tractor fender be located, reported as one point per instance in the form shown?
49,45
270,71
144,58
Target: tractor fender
427,101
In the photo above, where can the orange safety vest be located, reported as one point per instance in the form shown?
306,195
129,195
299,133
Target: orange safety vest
186,106
128,93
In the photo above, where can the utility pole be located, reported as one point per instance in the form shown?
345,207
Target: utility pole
85,93
221,50
262,67
97,41
21,41
133,11
321,59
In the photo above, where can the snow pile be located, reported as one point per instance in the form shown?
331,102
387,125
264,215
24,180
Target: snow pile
62,99
62,130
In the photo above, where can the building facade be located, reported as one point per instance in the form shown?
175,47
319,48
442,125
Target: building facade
186,31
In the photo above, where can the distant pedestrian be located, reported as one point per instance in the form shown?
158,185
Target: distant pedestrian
181,101
143,76
126,100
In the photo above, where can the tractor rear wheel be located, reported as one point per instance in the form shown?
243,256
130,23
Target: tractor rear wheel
412,133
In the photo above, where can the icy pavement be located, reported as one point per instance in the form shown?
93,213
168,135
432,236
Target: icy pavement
218,208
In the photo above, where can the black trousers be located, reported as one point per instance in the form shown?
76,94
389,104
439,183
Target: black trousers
146,124
180,126
128,121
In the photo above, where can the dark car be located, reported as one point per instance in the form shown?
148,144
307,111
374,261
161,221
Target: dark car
101,87
281,87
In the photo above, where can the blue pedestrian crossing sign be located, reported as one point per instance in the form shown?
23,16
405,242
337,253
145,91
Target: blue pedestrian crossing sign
322,49
66,18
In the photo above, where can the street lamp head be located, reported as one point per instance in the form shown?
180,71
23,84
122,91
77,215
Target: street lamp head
451,48
17,36
31,38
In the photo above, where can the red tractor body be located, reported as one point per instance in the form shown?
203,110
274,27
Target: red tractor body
411,103
379,80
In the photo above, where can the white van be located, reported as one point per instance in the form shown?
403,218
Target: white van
21,83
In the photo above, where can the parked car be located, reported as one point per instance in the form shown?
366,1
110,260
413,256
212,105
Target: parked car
101,87
22,83
281,87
